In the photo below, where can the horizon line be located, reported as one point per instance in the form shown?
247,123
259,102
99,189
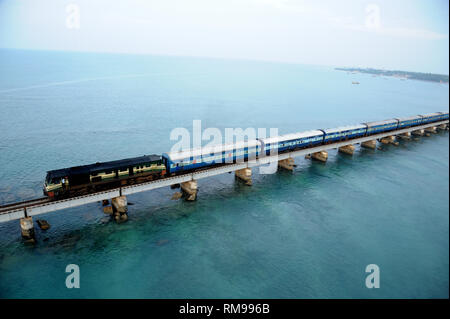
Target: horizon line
214,58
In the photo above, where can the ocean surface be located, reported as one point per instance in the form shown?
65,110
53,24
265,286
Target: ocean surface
306,234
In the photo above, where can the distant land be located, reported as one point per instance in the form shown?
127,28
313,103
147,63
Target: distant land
441,78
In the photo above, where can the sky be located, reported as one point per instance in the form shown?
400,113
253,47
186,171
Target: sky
411,35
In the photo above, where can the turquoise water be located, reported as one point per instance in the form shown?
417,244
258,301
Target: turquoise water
306,234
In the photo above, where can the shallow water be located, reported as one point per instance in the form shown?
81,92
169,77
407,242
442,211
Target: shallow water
306,234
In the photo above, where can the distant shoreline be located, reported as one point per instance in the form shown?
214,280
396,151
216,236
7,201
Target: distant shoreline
430,77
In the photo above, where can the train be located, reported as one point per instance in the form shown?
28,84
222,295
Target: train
82,180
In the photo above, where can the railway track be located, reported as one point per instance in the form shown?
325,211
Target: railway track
20,205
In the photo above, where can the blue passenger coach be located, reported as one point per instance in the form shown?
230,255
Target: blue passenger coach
409,121
432,117
381,126
286,142
444,116
344,133
207,156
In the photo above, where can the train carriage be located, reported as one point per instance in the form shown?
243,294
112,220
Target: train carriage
291,141
406,122
381,126
344,133
432,117
444,116
187,160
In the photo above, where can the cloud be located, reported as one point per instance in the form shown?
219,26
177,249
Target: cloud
390,31
371,25
287,5
412,33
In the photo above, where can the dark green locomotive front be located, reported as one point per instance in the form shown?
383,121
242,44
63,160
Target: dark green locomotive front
81,180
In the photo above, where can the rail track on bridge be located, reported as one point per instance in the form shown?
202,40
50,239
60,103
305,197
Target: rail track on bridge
23,204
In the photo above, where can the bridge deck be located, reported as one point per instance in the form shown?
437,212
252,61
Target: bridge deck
46,207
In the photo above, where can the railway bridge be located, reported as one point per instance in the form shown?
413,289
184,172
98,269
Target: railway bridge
26,210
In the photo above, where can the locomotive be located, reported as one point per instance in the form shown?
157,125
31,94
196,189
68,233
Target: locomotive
81,180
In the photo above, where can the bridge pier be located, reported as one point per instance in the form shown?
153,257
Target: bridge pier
287,164
442,127
347,149
405,136
320,156
120,208
108,210
388,140
190,190
244,175
370,144
431,129
27,229
418,132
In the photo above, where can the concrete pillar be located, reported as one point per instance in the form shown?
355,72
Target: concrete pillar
190,190
388,140
27,229
348,149
244,175
405,136
108,210
370,144
176,195
442,127
120,208
320,156
418,132
431,129
287,164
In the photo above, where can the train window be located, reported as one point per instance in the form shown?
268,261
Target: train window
56,180
94,174
123,170
108,172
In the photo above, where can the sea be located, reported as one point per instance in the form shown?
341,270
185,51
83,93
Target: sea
310,233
